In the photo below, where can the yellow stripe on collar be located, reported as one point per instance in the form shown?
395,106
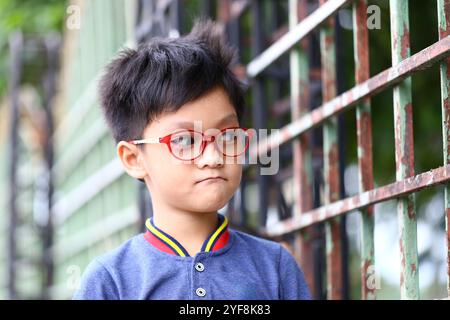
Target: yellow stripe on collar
214,236
164,238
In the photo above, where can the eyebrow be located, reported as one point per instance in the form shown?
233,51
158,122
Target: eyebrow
188,124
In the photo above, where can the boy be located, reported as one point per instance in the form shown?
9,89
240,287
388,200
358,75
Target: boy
154,99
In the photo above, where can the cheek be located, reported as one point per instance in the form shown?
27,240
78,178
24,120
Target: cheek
166,172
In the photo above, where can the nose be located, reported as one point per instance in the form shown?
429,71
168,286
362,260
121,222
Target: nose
211,156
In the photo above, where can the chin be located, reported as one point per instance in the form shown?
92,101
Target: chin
209,206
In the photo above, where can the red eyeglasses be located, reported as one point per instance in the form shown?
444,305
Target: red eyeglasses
190,144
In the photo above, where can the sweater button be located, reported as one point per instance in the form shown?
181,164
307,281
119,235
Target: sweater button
199,267
200,292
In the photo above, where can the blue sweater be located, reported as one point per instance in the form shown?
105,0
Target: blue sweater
231,265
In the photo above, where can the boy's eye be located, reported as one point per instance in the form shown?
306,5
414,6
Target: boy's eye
229,136
183,140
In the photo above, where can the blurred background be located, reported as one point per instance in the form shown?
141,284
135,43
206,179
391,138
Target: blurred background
65,199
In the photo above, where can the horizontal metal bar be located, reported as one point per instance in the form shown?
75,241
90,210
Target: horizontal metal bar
387,192
81,146
381,81
89,236
286,42
73,201
76,114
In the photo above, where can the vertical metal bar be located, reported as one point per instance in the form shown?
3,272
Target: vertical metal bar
52,45
176,11
331,161
364,137
233,31
278,85
206,8
342,136
16,47
444,31
224,11
315,99
404,152
302,164
259,108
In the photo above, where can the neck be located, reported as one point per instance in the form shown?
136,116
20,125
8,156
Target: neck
191,229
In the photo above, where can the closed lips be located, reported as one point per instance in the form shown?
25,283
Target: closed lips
211,178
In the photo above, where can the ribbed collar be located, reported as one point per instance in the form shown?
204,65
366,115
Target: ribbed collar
166,243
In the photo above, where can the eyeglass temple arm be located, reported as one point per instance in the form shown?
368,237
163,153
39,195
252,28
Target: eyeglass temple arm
149,140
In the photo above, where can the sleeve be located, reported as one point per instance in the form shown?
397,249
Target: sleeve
96,284
292,281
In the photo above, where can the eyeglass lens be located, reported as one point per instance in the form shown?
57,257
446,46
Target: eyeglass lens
187,145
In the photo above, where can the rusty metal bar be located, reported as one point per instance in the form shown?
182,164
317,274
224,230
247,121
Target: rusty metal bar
385,79
278,84
364,140
404,152
302,166
444,31
342,147
259,109
391,191
331,161
286,42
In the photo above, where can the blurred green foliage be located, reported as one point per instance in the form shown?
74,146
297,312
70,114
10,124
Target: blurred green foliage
32,17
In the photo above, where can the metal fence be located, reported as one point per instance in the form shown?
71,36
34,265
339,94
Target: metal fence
290,46
407,182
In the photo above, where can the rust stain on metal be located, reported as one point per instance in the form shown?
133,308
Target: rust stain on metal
333,174
446,112
364,127
411,211
405,49
443,32
409,141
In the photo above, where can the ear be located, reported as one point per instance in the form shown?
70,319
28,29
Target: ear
132,160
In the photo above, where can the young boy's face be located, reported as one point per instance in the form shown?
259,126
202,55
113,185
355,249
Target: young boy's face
178,183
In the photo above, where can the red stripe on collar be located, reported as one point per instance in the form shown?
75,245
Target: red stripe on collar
220,242
158,244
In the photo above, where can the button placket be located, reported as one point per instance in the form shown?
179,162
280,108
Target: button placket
199,274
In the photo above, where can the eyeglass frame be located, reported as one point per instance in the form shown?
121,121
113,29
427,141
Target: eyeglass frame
212,138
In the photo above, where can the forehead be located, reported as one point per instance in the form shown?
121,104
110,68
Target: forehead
211,110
